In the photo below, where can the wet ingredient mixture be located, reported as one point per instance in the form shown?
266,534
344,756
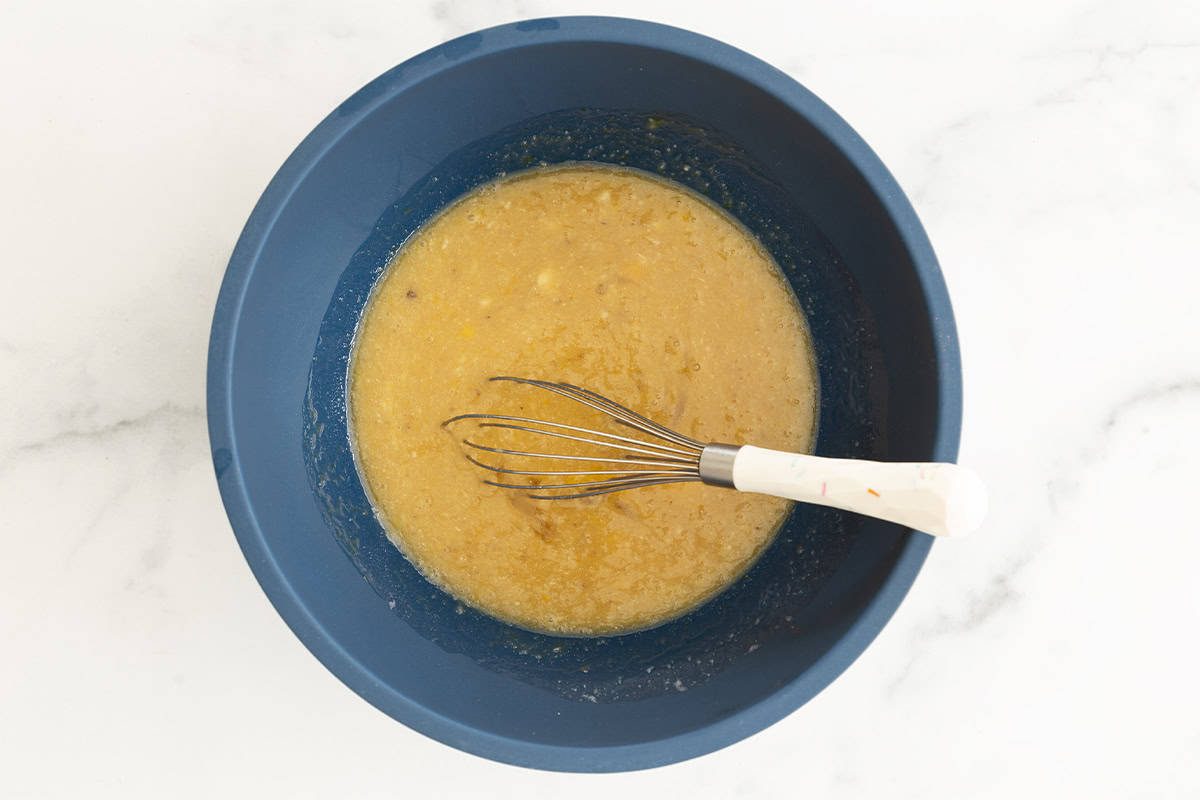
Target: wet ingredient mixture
610,279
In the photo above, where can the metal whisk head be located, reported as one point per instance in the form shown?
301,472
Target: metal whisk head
625,462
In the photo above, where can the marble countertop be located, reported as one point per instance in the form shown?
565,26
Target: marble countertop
1051,151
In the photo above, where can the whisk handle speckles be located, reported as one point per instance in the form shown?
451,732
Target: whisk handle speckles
939,499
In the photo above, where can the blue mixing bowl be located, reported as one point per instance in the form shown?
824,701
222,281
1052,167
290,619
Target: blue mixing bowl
510,98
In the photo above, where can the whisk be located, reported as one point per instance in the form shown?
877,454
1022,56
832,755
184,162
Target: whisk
939,499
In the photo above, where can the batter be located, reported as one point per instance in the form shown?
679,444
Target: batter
606,278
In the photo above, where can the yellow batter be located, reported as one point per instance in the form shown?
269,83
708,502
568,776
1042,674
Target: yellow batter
608,279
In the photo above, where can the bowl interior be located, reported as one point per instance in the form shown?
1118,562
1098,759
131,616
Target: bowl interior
384,163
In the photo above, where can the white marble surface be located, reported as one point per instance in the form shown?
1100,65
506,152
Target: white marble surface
1052,149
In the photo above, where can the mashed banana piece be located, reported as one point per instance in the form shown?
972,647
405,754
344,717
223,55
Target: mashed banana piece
613,280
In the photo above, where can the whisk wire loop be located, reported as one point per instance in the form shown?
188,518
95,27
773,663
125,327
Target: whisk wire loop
669,457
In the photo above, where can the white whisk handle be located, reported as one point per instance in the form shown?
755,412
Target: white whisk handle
939,499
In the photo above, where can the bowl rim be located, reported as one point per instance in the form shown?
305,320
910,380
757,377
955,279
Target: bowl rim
238,505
